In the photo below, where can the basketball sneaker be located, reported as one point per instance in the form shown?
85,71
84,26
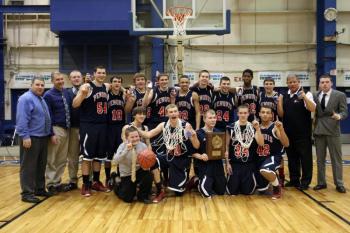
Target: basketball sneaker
281,180
159,197
109,184
98,186
86,190
276,192
192,183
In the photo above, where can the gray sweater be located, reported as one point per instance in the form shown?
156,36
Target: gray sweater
123,158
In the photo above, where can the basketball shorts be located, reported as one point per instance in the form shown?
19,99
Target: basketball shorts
177,171
114,139
212,178
92,141
242,180
270,164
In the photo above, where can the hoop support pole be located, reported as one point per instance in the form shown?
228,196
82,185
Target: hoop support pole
180,58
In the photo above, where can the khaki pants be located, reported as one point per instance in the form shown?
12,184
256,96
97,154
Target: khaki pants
73,155
57,157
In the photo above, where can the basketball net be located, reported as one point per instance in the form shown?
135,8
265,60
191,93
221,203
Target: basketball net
179,16
174,142
172,139
246,137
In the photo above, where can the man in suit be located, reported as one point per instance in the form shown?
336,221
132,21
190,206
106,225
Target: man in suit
331,108
76,80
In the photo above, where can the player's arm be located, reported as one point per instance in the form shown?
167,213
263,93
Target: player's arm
280,110
147,140
82,93
109,86
235,98
281,134
123,89
203,157
173,94
130,101
258,135
193,138
238,97
152,133
227,144
195,99
257,93
232,90
147,98
123,132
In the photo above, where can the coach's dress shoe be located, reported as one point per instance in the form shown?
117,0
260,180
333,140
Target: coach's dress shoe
292,184
52,189
320,186
303,187
44,193
68,187
30,199
341,189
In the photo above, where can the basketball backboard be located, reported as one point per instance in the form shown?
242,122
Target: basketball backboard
151,17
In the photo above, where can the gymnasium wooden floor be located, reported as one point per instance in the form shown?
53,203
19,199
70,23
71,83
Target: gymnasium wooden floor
309,211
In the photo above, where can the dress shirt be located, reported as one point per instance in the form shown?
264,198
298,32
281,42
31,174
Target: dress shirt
53,98
30,117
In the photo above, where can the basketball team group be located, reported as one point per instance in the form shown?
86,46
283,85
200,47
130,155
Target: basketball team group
215,140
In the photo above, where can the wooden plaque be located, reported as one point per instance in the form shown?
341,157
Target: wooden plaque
215,145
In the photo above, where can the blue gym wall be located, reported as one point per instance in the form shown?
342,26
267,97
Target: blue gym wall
90,15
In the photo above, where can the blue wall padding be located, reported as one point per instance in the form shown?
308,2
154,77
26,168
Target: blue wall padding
90,15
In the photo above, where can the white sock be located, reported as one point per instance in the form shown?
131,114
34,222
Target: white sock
275,182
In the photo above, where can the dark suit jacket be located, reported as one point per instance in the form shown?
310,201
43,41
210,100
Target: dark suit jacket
324,124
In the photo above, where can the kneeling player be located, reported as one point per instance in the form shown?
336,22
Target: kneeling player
242,138
270,154
175,149
211,173
132,175
139,114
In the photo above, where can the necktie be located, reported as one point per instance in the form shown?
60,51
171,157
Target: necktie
133,165
66,109
323,102
47,117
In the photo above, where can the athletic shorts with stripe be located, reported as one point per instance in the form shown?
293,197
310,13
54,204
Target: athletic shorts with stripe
212,180
177,170
270,164
242,180
114,139
92,141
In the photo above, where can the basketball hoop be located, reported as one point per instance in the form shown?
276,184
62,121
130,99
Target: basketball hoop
179,16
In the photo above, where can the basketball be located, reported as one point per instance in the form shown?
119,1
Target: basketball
146,158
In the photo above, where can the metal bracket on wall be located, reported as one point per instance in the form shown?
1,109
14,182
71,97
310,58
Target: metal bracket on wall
330,38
